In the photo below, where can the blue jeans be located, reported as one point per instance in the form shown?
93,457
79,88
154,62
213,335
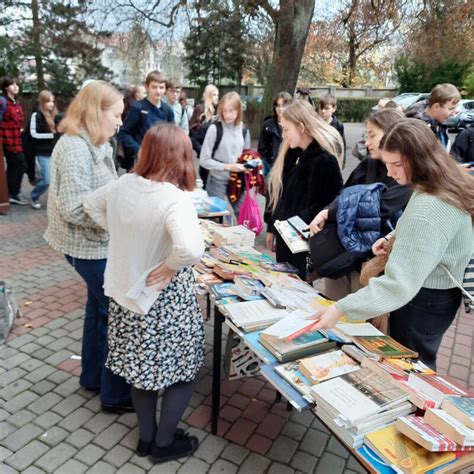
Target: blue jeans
421,323
218,187
45,172
114,390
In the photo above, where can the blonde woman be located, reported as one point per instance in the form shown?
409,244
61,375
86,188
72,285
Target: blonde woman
81,163
42,130
306,175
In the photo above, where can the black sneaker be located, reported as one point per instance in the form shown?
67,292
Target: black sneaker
17,199
144,447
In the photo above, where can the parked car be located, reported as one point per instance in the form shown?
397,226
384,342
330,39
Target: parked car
464,115
407,99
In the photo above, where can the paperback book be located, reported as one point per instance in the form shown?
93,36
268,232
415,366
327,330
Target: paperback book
291,373
326,366
461,408
295,242
450,426
403,453
417,429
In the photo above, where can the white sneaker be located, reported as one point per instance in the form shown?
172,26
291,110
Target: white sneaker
35,204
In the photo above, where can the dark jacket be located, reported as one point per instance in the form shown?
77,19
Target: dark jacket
311,180
43,140
463,146
368,171
337,124
141,117
439,129
359,221
269,142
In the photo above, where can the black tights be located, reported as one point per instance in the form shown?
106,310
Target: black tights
174,401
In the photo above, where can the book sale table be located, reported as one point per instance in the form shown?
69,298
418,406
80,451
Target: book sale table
369,431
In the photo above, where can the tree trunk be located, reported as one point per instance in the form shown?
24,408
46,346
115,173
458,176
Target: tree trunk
36,35
291,31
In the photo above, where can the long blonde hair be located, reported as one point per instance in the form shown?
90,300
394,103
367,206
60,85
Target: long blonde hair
43,98
429,167
233,100
300,112
209,107
85,111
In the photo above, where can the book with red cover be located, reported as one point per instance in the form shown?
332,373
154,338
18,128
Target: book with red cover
416,428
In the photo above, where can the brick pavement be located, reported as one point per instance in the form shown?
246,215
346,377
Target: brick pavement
49,424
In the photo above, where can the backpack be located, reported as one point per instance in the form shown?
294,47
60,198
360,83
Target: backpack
197,138
3,107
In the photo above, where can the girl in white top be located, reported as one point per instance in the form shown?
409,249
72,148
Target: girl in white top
232,143
156,332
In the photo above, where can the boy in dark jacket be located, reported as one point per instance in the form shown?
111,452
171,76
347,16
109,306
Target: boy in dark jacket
142,115
327,108
442,103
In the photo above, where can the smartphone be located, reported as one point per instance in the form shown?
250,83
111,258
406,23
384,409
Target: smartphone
300,226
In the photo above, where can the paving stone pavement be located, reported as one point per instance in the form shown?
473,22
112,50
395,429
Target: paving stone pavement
48,423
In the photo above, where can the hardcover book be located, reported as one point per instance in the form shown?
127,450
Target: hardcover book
461,408
422,433
384,346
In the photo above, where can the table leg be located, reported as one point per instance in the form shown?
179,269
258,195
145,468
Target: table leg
216,368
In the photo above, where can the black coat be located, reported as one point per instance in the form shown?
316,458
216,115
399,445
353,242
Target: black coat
269,141
463,146
311,180
369,171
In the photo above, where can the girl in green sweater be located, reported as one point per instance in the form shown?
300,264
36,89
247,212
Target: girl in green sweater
435,229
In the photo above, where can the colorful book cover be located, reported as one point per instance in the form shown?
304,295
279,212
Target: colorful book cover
385,346
291,373
326,366
403,453
222,290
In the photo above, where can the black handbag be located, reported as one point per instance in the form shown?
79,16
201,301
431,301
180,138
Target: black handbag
330,258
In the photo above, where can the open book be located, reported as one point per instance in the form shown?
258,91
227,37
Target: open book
295,242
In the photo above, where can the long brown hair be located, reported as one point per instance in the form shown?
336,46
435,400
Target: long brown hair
300,112
43,98
166,156
429,167
234,101
85,111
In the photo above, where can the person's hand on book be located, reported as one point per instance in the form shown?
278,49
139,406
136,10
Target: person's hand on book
327,318
318,223
235,167
161,276
270,241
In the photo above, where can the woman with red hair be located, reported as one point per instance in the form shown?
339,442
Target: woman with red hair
156,332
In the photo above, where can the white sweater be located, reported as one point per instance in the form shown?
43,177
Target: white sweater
148,223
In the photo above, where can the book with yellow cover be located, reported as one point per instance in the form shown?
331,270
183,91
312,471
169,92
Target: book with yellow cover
400,451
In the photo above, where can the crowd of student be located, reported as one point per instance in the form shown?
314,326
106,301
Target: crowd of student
134,239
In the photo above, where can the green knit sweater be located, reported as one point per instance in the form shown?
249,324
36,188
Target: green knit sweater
430,232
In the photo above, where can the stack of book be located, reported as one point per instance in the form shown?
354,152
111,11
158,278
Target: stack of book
383,346
358,402
235,235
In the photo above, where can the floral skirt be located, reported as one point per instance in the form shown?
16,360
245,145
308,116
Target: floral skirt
163,347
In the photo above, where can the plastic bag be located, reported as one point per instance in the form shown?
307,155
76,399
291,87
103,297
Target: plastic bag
250,215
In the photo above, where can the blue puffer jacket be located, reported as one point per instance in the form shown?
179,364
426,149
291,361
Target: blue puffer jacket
359,223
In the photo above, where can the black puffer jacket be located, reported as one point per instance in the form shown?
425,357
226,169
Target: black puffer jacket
311,180
269,142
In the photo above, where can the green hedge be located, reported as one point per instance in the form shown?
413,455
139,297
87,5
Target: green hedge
351,109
